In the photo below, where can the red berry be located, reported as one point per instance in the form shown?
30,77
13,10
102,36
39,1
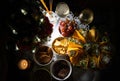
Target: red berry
70,28
64,34
62,23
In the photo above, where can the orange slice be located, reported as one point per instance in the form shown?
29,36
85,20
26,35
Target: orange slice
74,45
78,36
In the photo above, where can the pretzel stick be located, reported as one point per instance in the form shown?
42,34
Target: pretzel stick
51,3
44,5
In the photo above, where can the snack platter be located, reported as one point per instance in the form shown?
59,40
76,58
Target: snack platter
58,45
77,73
73,51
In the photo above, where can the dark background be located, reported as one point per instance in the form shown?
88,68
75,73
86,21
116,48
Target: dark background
106,17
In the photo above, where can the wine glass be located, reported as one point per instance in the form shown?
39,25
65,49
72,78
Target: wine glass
86,16
62,9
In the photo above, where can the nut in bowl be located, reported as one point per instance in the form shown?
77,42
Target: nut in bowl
43,55
61,69
59,45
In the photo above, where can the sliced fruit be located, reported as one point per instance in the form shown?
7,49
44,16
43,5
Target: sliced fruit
74,45
77,35
93,35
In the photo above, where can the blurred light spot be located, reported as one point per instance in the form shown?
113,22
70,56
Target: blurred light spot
23,11
41,19
16,48
33,51
14,32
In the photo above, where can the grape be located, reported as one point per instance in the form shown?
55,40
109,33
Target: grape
66,28
62,23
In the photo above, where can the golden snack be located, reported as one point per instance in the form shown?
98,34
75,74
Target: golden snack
75,59
74,45
93,34
59,45
94,61
83,63
78,36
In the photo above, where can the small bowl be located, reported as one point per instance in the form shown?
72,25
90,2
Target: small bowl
41,75
61,69
43,55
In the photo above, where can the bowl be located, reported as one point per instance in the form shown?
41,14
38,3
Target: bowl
61,69
43,55
41,75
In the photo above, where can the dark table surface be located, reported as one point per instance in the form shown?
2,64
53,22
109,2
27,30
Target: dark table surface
106,17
